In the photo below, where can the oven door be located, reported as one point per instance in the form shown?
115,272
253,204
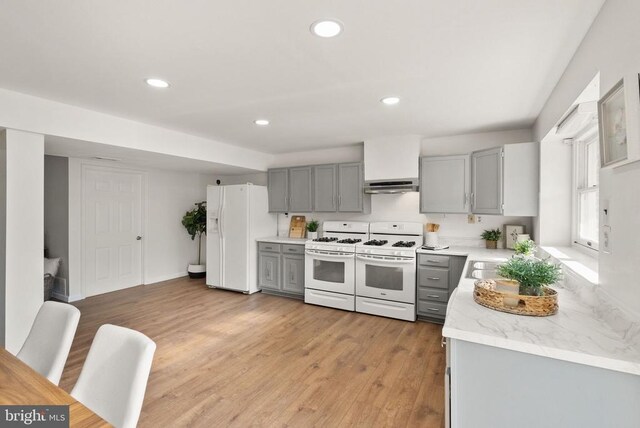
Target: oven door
386,277
330,271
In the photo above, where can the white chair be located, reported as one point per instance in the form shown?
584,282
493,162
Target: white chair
114,377
49,341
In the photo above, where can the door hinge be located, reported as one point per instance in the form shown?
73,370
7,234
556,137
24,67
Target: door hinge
502,207
502,154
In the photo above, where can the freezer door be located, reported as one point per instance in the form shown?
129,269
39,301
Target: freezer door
235,238
214,239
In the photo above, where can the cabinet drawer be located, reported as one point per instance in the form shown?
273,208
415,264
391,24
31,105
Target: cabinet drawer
433,278
429,260
292,249
267,246
433,294
432,309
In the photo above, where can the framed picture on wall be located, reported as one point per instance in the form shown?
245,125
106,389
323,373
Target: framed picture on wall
613,126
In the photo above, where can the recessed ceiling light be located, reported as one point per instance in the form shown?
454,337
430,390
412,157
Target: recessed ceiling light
261,122
326,28
390,101
157,83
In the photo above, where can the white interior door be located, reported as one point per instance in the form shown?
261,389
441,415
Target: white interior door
111,230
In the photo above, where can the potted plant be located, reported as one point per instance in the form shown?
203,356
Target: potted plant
491,237
195,221
312,229
525,248
534,275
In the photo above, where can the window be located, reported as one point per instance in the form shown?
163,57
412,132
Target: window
586,158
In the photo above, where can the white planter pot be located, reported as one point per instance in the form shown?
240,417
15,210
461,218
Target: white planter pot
197,271
312,235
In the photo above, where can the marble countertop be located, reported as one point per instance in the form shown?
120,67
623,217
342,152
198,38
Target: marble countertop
283,240
580,332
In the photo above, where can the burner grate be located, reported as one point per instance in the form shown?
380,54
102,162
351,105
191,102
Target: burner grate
349,241
376,242
405,244
325,239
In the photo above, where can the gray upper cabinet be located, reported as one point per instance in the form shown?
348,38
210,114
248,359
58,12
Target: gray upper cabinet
301,189
278,188
350,187
486,181
320,188
325,188
445,184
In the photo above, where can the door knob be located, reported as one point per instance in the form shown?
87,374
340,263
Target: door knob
138,238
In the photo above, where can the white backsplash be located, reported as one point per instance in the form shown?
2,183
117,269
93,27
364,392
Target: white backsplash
454,228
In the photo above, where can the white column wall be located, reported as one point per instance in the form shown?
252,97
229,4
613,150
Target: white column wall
23,240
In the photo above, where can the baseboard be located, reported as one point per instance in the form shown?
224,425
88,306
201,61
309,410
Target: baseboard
161,278
65,298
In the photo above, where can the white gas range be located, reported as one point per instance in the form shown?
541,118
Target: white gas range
330,264
386,270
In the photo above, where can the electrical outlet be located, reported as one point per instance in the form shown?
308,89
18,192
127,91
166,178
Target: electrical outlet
471,219
606,239
479,218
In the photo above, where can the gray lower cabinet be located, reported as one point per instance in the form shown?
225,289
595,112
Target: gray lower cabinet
350,187
293,274
445,184
437,277
281,269
278,189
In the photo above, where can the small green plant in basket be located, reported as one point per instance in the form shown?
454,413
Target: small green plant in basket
533,274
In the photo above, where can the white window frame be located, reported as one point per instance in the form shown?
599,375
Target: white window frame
579,185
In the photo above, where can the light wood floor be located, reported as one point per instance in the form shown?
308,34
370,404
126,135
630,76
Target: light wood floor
227,359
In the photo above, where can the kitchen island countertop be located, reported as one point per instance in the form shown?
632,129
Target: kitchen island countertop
578,333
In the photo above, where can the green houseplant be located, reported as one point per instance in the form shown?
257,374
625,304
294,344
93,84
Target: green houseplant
532,273
312,229
491,237
525,248
195,221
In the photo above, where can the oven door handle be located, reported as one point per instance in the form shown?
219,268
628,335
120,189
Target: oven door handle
333,256
392,261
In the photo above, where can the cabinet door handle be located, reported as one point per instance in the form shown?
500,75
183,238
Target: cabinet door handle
435,296
433,278
339,201
433,309
292,249
433,261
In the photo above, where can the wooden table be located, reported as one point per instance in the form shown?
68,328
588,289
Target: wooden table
21,385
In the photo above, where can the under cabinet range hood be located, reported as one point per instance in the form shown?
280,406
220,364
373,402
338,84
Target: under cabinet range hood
391,164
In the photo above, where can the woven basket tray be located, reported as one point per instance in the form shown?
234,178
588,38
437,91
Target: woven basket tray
535,306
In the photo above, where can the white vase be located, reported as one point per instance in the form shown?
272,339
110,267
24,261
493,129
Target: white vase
312,235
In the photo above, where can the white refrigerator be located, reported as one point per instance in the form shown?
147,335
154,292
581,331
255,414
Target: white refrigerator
237,215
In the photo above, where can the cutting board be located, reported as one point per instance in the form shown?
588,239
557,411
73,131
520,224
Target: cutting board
298,226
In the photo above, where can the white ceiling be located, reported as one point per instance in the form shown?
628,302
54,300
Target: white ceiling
459,66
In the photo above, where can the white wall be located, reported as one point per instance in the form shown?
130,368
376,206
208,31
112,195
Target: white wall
167,248
462,144
611,47
56,211
405,207
23,237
